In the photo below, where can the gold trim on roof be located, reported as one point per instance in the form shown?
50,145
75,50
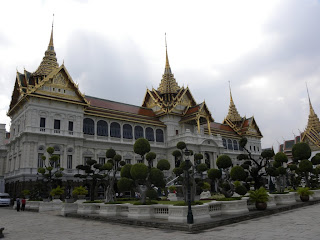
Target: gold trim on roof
233,114
49,61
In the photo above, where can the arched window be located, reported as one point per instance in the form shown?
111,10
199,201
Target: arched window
224,142
149,134
159,135
127,131
115,130
230,144
235,145
138,132
88,126
207,160
102,128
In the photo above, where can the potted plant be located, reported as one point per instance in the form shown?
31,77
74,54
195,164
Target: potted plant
57,192
304,193
80,192
259,197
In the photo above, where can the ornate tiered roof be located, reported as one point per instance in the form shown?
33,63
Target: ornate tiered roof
312,131
49,61
168,84
233,114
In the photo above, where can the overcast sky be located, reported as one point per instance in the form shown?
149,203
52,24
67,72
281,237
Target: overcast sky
268,50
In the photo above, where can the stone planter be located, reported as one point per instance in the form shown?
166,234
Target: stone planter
234,207
271,202
110,210
179,213
69,208
140,211
304,198
316,194
214,208
285,199
88,208
33,205
54,205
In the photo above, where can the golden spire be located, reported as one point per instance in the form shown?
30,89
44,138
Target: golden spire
168,84
233,114
313,120
167,69
49,61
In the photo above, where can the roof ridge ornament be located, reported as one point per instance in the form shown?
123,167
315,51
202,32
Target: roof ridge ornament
49,61
233,114
168,84
313,120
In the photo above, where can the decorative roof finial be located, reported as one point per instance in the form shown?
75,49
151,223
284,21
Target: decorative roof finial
49,61
167,69
313,120
233,114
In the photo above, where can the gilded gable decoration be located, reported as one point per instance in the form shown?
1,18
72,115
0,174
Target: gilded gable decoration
312,131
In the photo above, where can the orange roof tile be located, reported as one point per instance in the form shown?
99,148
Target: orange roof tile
108,104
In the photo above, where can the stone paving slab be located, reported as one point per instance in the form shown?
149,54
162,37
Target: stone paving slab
300,223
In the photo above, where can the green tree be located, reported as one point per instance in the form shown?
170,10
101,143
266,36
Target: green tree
255,167
141,147
51,172
214,175
93,172
113,166
301,151
280,158
305,167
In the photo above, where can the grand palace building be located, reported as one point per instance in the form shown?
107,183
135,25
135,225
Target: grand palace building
48,109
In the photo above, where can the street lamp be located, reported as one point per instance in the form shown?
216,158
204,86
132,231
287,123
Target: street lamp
188,164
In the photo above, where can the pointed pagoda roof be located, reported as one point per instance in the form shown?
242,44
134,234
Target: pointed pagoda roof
49,61
233,114
313,120
168,83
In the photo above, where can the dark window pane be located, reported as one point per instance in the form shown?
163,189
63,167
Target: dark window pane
70,128
127,131
159,135
115,130
42,122
138,132
102,128
88,126
149,134
56,124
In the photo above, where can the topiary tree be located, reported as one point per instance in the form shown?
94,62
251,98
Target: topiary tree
163,164
280,158
237,173
150,157
51,172
113,166
93,172
197,158
301,151
224,162
214,175
255,167
141,147
305,167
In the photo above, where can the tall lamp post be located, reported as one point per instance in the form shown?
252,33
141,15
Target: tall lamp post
190,215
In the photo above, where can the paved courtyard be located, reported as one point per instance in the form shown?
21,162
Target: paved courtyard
302,223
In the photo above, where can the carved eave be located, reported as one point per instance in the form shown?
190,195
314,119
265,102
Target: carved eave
311,135
250,128
196,113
